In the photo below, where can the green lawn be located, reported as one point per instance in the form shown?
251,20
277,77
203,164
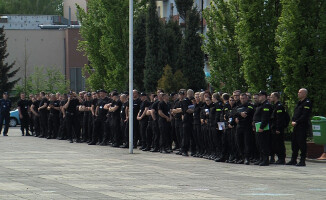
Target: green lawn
288,148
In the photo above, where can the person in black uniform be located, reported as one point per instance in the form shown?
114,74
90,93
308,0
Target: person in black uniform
5,105
43,115
86,109
278,126
226,133
164,119
263,117
243,119
62,116
92,118
143,120
177,112
216,132
31,117
107,136
155,125
23,109
300,122
73,125
123,121
36,115
230,113
100,117
149,129
187,111
136,108
115,110
54,119
197,134
204,120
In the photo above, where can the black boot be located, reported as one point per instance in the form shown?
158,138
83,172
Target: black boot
272,160
302,163
265,161
280,161
292,162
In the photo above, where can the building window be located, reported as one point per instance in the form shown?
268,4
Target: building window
77,81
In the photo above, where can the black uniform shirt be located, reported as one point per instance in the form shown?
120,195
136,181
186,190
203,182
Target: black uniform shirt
263,114
36,105
5,106
155,108
123,111
302,112
55,104
187,104
177,104
116,114
101,111
278,117
23,104
72,107
196,114
143,105
44,101
164,108
247,121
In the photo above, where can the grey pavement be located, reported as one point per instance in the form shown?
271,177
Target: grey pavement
34,168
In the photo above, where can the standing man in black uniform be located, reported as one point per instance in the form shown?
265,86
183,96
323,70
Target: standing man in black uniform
164,119
177,112
243,119
279,123
263,116
100,117
73,124
187,111
62,116
43,115
155,125
115,110
5,105
143,120
54,119
23,109
36,115
123,120
300,122
86,108
31,117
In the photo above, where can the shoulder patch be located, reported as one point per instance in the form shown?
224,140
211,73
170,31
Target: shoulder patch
279,111
266,109
306,107
218,109
250,107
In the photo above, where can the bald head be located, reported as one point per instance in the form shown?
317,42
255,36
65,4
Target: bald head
302,94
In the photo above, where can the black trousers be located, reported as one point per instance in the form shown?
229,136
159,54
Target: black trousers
226,143
73,126
142,129
149,134
163,126
174,133
299,141
37,126
90,126
44,123
244,141
178,132
278,146
63,128
4,117
136,132
24,123
264,144
54,123
31,123
205,131
156,134
98,129
198,137
186,134
124,131
116,131
107,135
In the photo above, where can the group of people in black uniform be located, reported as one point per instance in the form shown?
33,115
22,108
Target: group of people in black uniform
240,128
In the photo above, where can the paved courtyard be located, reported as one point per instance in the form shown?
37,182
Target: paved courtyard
33,168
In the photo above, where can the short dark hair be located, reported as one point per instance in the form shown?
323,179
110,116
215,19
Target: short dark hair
225,96
243,94
277,95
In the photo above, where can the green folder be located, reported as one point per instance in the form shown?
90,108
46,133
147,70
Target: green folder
258,126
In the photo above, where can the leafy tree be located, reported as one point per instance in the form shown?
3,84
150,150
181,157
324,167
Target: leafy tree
256,39
32,7
105,42
153,69
44,79
139,49
221,46
170,82
173,43
7,82
192,56
302,50
166,81
183,6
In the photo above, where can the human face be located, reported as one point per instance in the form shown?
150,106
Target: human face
273,98
262,98
302,94
208,101
243,99
197,98
231,101
135,94
22,96
5,96
236,96
256,100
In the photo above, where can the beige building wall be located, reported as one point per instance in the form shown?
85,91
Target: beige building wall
36,48
72,5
